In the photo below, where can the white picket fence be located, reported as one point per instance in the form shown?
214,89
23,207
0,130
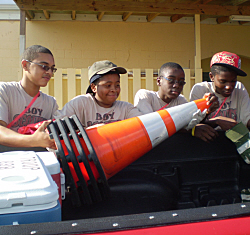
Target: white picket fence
68,83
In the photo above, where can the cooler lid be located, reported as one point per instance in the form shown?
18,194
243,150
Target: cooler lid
50,161
24,180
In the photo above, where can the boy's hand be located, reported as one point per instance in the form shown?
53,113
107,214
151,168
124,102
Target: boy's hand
225,123
213,100
205,132
198,116
41,137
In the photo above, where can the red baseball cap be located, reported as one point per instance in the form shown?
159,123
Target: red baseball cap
228,59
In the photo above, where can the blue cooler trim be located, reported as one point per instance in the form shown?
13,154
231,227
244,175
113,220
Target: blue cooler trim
50,215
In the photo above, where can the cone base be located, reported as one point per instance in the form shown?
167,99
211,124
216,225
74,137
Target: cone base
81,166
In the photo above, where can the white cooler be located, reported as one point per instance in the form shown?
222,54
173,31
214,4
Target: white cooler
28,193
50,161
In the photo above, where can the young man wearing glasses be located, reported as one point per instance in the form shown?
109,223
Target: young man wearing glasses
171,80
38,67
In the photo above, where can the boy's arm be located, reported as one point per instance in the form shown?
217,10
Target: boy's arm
248,124
205,132
224,123
40,138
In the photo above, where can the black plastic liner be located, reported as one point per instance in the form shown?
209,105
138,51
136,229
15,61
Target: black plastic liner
182,180
181,173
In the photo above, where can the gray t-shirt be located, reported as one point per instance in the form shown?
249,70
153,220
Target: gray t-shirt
149,101
236,106
14,99
90,113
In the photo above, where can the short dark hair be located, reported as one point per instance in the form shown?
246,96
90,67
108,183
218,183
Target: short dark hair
216,69
31,52
171,65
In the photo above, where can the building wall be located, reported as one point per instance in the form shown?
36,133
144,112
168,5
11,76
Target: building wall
215,38
78,44
140,45
9,51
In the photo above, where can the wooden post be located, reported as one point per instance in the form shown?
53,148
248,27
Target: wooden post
84,80
198,70
136,81
22,39
149,79
71,83
58,88
124,85
187,87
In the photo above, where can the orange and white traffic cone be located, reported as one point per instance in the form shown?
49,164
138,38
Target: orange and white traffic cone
120,143
99,153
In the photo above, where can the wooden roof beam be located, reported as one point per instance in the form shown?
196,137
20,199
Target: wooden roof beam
206,1
174,18
203,17
100,15
46,14
73,15
134,6
237,2
243,22
150,17
30,15
222,19
202,1
126,15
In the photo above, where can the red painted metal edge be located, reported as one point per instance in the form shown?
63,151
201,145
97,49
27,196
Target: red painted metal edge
236,226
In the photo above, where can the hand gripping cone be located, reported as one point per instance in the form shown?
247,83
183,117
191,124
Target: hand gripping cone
91,157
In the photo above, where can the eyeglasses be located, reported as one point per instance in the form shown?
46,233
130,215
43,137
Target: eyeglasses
173,81
44,67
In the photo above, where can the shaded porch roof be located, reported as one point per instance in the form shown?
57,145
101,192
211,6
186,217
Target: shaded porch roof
221,10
